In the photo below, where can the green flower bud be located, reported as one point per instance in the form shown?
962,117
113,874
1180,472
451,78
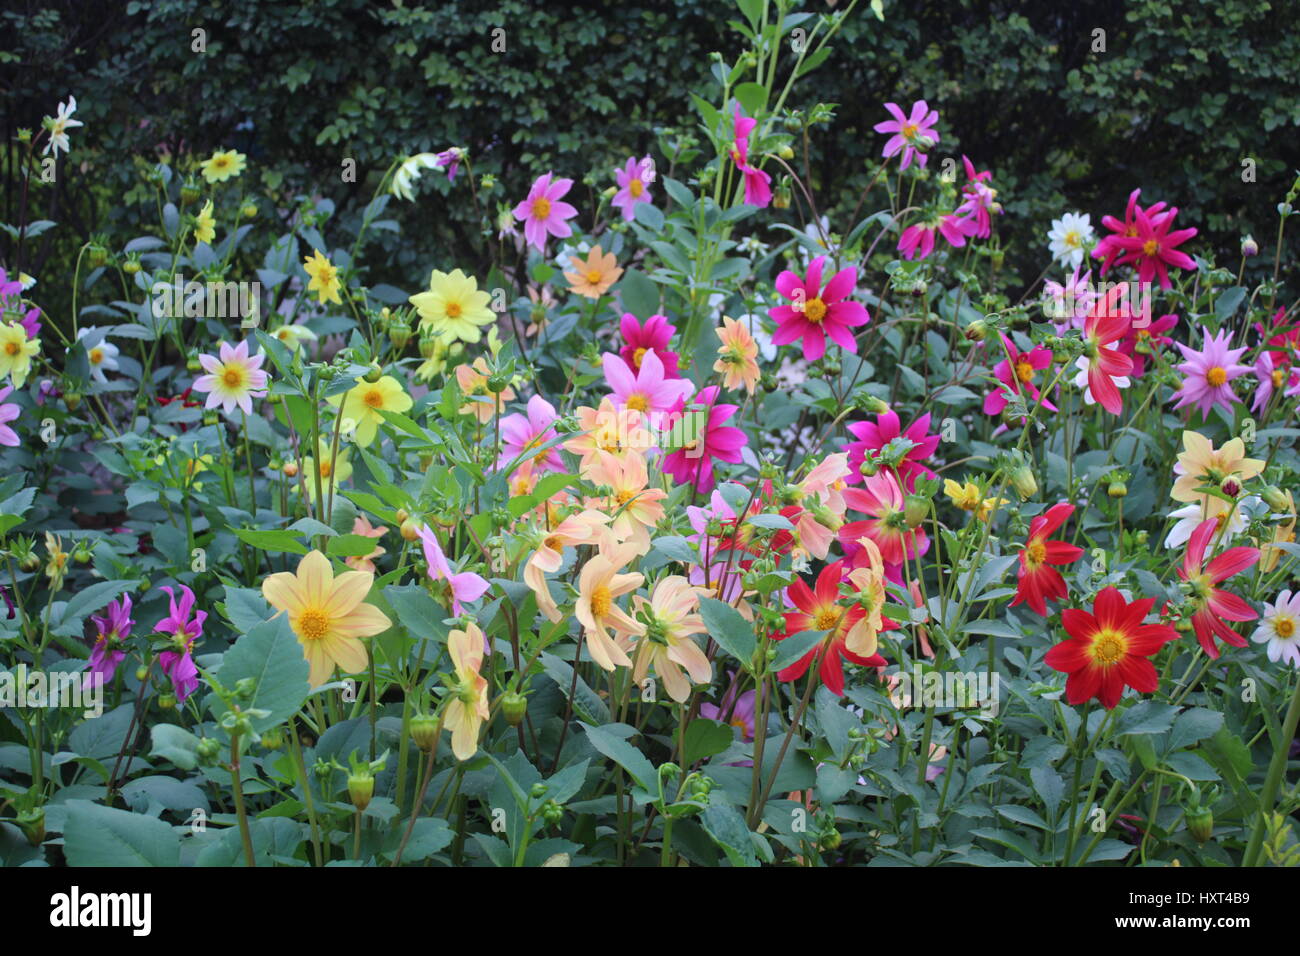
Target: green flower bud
361,787
514,706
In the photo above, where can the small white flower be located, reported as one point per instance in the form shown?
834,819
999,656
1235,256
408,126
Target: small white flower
1070,238
1193,515
26,280
59,126
1081,380
1279,628
409,172
100,352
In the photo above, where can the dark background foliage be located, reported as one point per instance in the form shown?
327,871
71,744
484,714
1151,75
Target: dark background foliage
1182,94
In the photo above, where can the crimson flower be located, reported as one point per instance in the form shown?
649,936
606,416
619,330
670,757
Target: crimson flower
1102,361
1152,249
873,436
705,436
1038,580
1214,606
1109,649
818,609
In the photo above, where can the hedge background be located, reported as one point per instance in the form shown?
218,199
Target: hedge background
1182,94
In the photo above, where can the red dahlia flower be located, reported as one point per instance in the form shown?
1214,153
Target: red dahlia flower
1109,649
819,610
1214,606
1038,580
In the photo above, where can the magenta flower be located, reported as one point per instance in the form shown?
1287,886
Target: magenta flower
464,586
633,185
1144,341
1270,379
449,159
649,390
758,184
913,135
543,214
710,439
111,631
919,237
178,664
522,433
1152,249
816,312
1209,372
1108,249
979,201
873,436
1017,377
655,335
8,412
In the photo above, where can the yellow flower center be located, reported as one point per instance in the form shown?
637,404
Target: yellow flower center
11,348
1284,626
594,276
232,377
1072,240
827,618
636,188
1279,376
220,163
909,130
541,208
637,356
814,310
1150,247
624,496
374,398
1108,647
1036,552
1216,376
601,601
638,401
1024,372
313,624
97,355
552,542
453,310
326,469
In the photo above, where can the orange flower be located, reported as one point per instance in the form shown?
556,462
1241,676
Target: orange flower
468,708
636,508
594,277
738,353
583,528
473,381
361,525
598,586
609,429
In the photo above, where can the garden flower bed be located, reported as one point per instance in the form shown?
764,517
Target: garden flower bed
693,529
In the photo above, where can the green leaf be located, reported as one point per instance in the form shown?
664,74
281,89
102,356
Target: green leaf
1050,787
622,753
752,96
102,836
1193,726
794,647
729,630
276,541
640,294
726,827
271,655
175,744
419,613
1147,717
704,739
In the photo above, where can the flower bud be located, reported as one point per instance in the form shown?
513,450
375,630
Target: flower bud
361,787
1249,247
273,739
1275,498
167,701
1230,486
514,705
868,468
401,515
976,331
410,530
1200,823
829,840
208,750
399,331
1117,489
424,731
786,153
915,508
132,265
290,469
1023,480
248,210
374,373
189,194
